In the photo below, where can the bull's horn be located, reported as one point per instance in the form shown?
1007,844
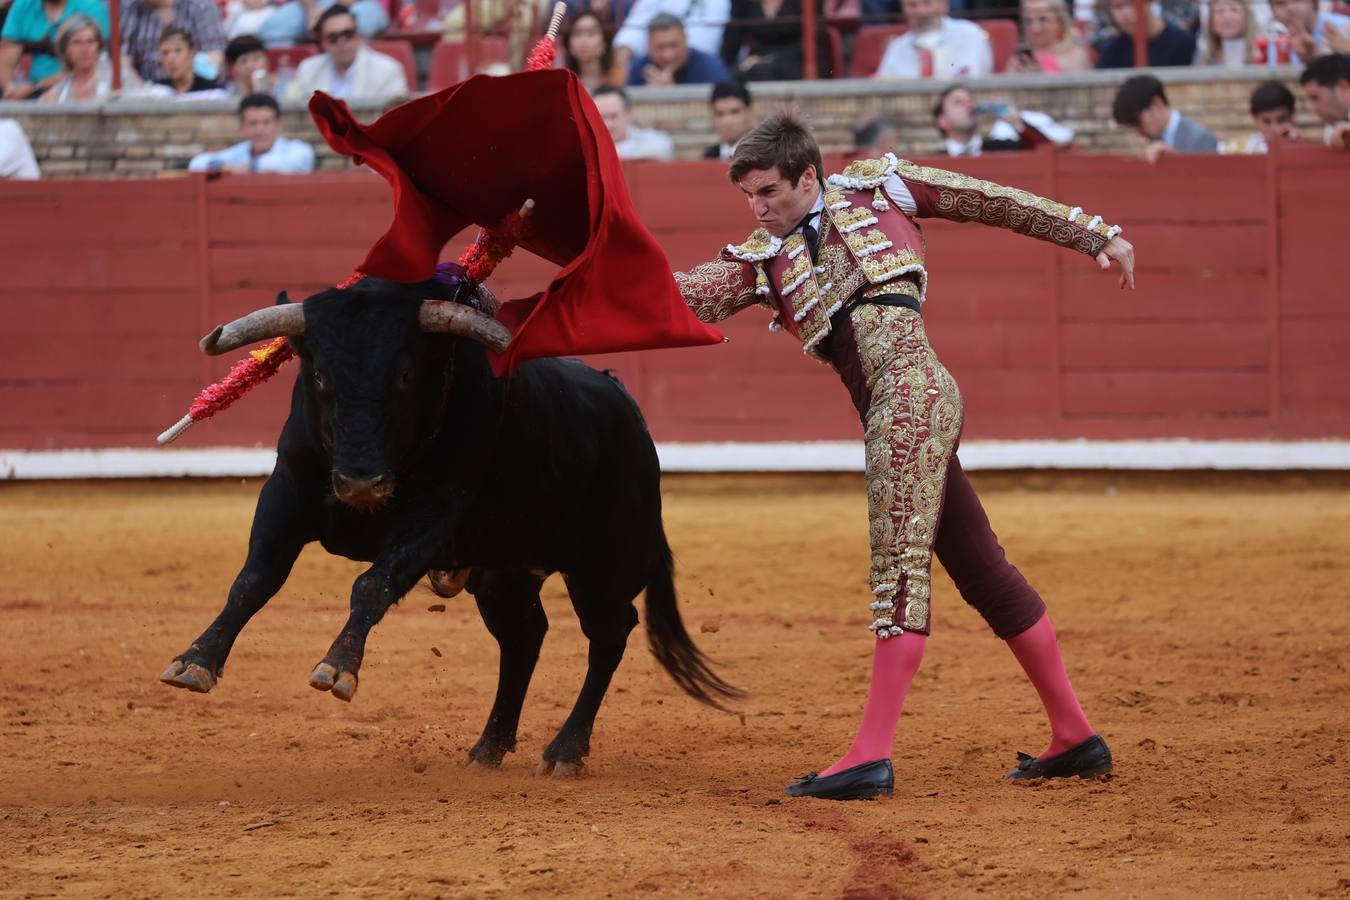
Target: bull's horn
456,318
286,320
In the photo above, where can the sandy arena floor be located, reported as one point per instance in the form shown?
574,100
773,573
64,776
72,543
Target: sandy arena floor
1204,618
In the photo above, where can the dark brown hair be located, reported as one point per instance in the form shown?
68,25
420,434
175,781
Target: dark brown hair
780,141
606,35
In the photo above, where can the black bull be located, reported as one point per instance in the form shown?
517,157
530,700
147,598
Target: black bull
401,449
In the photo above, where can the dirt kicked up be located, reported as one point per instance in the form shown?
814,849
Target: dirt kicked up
1204,619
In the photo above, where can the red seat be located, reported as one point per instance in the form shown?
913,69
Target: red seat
1003,40
279,58
403,52
450,60
869,47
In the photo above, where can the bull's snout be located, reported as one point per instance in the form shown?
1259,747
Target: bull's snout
363,493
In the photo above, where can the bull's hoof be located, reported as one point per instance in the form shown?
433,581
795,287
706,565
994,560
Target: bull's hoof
345,687
195,678
545,767
483,765
323,677
565,769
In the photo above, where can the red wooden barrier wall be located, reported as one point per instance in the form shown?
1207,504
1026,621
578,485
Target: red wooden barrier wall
1240,327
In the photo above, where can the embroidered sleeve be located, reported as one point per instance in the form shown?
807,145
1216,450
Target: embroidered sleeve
941,194
717,289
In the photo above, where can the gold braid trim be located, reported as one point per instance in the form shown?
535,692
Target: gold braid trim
717,289
962,198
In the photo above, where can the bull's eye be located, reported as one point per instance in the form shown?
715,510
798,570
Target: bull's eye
320,380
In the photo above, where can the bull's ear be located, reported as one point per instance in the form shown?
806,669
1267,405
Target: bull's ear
283,298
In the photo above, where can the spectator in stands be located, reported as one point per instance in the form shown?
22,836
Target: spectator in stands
875,138
247,60
588,48
87,70
763,41
246,17
263,148
670,59
16,154
936,45
1141,105
1229,38
1326,83
515,18
1168,45
347,68
631,141
144,21
1052,45
177,54
612,11
1272,107
36,22
296,18
701,20
1312,32
733,115
956,116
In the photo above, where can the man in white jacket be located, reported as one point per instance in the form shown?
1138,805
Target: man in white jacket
347,68
936,45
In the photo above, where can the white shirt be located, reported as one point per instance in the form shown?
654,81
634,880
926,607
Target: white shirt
959,49
288,156
646,143
1169,133
16,156
703,23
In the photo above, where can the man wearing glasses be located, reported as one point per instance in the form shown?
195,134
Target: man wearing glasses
347,68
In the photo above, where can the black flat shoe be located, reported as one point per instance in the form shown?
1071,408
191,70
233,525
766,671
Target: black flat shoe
864,782
1086,760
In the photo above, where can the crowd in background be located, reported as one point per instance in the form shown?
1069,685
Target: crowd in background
56,51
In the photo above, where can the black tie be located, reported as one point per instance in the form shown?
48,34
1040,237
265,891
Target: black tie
809,232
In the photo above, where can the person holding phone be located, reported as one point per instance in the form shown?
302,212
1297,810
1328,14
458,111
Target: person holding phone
1050,43
957,118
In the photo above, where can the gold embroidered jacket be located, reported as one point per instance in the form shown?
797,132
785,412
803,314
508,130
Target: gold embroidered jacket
868,242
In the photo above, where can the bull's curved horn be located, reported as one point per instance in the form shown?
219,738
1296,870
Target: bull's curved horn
285,320
456,318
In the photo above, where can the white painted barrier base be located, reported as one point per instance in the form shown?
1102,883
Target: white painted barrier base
823,456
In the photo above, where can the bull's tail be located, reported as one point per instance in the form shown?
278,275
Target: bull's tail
671,644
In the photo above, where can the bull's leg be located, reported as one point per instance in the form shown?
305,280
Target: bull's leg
607,616
509,604
280,530
374,591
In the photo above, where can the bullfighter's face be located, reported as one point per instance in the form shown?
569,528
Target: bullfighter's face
778,204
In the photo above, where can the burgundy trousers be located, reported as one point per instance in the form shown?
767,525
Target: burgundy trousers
964,543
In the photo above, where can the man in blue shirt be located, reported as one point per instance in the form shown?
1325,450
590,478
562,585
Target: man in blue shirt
670,59
265,150
36,22
1168,45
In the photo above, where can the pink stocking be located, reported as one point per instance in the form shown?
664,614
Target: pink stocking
1038,652
895,661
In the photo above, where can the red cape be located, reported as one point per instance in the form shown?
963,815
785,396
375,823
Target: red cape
474,152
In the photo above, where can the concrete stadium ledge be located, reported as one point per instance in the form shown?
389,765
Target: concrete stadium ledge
825,456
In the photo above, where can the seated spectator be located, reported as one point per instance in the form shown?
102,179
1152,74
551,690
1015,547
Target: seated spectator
177,53
1141,105
733,115
956,116
1052,44
263,148
296,18
936,45
589,51
247,60
612,11
763,41
631,141
701,20
875,138
1312,32
1229,38
37,22
16,154
347,68
670,59
87,70
1272,107
144,22
1326,83
246,16
1168,45
515,18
